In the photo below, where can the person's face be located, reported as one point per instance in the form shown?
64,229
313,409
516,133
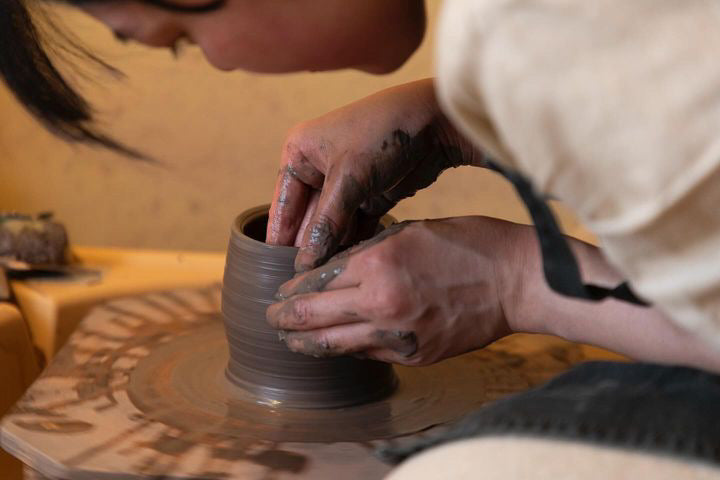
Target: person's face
277,35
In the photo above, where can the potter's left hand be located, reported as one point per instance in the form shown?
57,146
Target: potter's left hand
415,294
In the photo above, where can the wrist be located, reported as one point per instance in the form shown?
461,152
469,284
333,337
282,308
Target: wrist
457,150
535,308
512,259
522,290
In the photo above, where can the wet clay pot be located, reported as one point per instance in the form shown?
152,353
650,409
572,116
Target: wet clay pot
259,362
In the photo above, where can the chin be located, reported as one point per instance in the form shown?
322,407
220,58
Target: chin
300,61
228,63
380,69
220,62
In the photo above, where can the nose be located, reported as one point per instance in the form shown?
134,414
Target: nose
166,38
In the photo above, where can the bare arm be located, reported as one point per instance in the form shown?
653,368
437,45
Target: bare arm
641,333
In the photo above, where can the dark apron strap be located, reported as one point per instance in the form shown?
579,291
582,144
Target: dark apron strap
559,265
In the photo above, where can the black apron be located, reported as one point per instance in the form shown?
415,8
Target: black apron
667,410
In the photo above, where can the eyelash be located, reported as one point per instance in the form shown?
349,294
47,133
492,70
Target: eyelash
120,37
211,6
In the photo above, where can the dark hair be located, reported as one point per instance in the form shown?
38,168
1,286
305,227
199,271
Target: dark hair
32,76
208,6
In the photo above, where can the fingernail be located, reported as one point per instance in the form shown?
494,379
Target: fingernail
320,245
304,261
270,314
284,291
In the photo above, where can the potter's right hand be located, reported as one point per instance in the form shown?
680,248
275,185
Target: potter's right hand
415,294
341,172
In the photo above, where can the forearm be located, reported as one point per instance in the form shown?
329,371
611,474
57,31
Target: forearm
642,333
457,148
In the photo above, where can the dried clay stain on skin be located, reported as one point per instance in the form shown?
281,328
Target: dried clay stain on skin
374,195
403,342
424,156
315,281
323,240
303,170
305,343
318,279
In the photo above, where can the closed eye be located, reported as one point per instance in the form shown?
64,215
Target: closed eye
121,37
208,6
180,8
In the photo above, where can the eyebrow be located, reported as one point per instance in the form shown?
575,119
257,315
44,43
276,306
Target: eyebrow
209,6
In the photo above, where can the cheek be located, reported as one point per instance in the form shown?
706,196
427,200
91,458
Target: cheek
136,21
231,46
114,15
228,50
218,51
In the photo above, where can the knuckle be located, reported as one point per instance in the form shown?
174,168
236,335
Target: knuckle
271,316
301,312
322,347
324,235
298,147
390,302
326,223
294,343
414,361
390,356
317,345
381,259
295,137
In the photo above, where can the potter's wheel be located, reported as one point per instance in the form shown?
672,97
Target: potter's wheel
139,390
182,383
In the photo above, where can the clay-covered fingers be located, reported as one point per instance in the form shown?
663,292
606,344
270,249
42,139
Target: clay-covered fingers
341,196
425,171
353,338
331,276
296,181
309,212
391,230
331,341
311,311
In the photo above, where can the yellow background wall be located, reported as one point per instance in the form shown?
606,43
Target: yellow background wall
219,135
